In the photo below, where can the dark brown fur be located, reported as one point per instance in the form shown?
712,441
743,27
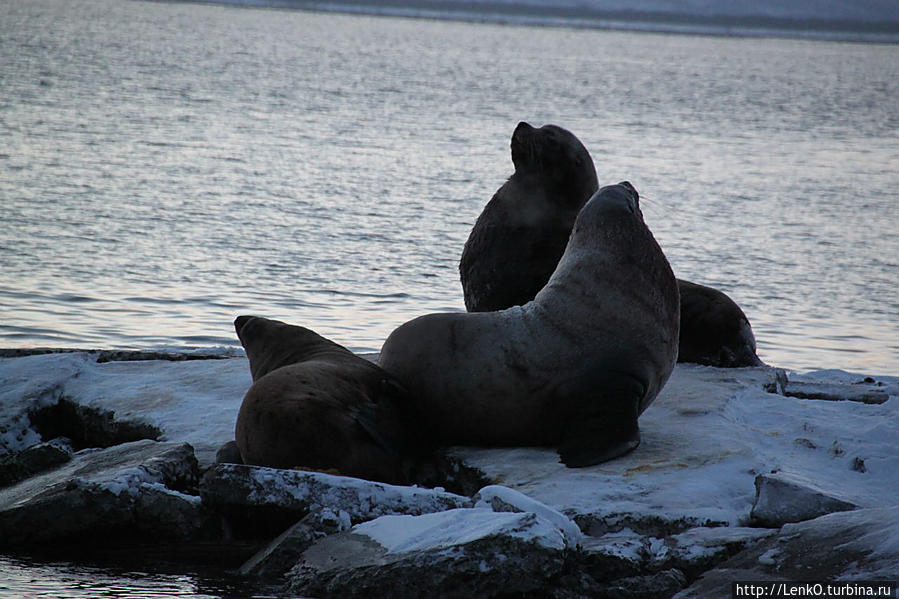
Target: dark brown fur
314,404
520,236
523,230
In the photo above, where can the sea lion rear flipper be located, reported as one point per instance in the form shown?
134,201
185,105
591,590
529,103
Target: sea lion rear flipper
591,442
371,420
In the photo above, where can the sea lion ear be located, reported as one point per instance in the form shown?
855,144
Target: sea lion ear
240,322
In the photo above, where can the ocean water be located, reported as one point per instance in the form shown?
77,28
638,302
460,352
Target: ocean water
167,167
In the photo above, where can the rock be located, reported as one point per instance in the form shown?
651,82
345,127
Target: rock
87,426
859,545
698,549
18,466
504,499
457,553
132,491
658,585
614,555
627,554
237,485
781,498
119,355
282,554
863,393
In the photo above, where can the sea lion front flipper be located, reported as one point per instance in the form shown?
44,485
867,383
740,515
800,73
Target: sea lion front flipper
591,442
603,424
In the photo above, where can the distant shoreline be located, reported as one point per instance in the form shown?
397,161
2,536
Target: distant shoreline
588,18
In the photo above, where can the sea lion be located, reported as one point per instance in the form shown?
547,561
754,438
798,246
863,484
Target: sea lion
517,241
575,367
521,233
315,404
714,330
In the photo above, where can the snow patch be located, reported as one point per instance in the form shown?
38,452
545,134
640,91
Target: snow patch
401,534
504,499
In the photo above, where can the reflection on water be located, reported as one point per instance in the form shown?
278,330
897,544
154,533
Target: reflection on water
25,579
167,167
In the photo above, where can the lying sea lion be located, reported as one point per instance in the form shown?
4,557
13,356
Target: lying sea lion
315,404
714,330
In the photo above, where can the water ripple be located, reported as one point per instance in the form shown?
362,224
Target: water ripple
306,167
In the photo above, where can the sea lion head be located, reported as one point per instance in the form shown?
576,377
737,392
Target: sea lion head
557,157
610,203
271,344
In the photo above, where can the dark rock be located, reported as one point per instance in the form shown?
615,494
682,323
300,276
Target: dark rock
87,426
18,466
234,485
626,554
115,355
862,393
781,498
857,545
458,553
658,585
698,549
131,491
614,555
282,554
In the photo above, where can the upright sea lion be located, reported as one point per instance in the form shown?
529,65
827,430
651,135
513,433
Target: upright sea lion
519,237
714,330
315,404
575,367
522,232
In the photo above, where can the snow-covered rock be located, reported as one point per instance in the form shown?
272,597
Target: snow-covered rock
276,558
504,499
782,498
135,490
192,401
19,465
857,545
650,521
456,553
301,491
696,550
626,555
708,435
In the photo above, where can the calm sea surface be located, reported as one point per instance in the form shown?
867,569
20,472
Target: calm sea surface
167,167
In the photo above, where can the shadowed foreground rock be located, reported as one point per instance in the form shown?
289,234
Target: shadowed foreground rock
18,466
857,545
648,524
458,553
134,491
781,498
279,556
238,485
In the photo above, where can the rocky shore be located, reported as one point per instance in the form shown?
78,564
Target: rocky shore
743,474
